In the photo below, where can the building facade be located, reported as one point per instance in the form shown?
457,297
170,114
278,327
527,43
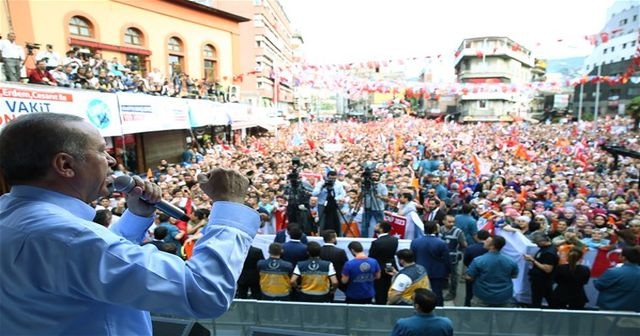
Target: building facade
493,60
615,48
203,41
266,53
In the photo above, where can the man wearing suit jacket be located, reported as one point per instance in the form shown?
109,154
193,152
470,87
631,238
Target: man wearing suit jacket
294,250
433,254
335,255
283,236
249,278
383,250
433,211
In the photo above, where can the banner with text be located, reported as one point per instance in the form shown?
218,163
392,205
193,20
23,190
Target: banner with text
145,113
100,109
206,112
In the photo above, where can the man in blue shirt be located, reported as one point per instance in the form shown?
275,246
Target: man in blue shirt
465,222
62,274
492,273
424,322
358,274
619,286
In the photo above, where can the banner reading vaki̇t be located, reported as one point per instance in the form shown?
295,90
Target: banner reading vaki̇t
100,109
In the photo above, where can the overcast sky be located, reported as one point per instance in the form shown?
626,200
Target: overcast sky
342,31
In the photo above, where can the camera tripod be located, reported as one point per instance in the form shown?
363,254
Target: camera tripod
370,192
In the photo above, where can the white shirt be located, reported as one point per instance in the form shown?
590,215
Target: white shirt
53,59
11,49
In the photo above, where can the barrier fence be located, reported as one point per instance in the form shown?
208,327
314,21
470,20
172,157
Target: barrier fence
344,319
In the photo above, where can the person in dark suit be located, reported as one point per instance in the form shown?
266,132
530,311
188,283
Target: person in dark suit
283,236
250,278
294,250
433,211
471,252
335,255
433,254
383,250
571,278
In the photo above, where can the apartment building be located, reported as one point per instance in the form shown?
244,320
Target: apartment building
493,60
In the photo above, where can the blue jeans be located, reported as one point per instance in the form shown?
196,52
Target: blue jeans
377,215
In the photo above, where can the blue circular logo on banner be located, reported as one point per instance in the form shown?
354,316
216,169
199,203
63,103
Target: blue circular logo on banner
98,113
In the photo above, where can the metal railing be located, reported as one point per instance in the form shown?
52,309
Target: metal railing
343,319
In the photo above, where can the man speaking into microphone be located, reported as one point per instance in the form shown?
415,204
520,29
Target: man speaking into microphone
61,274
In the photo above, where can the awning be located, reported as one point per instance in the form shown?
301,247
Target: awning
236,125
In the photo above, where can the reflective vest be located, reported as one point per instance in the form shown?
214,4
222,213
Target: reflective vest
314,276
419,279
275,277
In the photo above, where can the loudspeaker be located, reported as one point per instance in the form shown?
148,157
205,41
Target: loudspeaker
163,326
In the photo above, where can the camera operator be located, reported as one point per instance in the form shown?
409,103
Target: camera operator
375,196
298,193
329,193
12,56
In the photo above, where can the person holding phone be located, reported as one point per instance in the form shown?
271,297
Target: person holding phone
411,277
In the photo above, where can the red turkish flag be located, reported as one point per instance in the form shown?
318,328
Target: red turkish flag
604,260
604,37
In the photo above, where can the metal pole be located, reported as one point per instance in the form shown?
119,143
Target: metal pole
597,102
580,102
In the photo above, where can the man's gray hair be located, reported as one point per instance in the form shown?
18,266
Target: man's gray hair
29,143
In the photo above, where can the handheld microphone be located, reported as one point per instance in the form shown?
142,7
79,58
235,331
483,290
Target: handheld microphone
125,183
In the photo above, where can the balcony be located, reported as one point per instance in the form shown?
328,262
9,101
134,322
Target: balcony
496,52
496,76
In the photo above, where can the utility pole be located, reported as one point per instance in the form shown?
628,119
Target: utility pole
597,102
580,102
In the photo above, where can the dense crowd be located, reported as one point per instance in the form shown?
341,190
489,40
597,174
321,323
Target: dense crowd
553,183
82,69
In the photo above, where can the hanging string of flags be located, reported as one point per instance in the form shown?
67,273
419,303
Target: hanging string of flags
348,77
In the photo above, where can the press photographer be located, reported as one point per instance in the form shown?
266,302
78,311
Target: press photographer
375,195
329,193
297,193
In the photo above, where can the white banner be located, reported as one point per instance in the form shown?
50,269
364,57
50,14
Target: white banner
145,113
100,109
206,112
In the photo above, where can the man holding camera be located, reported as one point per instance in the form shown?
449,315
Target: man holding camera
12,56
375,196
329,193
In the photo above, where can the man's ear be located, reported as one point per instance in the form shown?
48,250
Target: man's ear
63,165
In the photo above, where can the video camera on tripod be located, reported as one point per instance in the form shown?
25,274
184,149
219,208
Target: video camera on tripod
30,47
367,180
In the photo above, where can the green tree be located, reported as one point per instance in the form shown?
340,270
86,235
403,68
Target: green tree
634,110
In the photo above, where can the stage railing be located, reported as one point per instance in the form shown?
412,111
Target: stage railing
343,319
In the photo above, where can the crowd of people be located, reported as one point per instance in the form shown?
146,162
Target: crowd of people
79,68
553,183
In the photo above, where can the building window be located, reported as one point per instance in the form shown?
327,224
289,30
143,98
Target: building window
175,44
623,22
210,62
613,49
133,36
604,51
624,46
633,92
176,56
138,62
80,26
635,18
482,104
